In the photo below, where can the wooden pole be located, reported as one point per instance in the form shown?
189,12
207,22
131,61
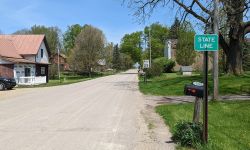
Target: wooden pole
216,55
197,110
58,64
150,48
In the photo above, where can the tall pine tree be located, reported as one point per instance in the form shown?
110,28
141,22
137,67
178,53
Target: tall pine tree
116,58
174,29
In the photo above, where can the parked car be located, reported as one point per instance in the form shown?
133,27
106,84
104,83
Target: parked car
7,83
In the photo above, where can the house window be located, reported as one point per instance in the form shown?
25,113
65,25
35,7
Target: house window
42,70
41,53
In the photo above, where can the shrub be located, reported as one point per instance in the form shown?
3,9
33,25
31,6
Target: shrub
154,70
166,64
168,68
185,55
188,134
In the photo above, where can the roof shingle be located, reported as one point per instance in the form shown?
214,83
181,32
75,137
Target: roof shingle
8,49
25,44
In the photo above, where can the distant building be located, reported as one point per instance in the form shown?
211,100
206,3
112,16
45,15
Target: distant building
170,48
62,61
101,65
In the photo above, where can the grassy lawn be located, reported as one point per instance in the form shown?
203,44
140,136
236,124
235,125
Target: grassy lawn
68,78
173,84
229,123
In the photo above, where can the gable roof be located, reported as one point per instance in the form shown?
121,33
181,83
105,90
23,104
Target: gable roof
8,49
25,44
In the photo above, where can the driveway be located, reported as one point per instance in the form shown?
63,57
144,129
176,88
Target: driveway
107,113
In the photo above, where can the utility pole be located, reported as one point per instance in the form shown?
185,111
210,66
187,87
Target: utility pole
150,59
58,64
215,55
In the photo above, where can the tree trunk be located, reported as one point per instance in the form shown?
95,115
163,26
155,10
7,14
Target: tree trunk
232,47
234,57
89,69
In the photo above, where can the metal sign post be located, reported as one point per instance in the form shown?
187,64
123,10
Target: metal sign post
205,43
205,103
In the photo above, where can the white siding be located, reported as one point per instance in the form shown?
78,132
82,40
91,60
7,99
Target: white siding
19,70
4,62
45,58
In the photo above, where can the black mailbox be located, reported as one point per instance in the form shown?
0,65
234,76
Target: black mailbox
194,90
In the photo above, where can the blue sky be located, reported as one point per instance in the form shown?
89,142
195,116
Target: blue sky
110,16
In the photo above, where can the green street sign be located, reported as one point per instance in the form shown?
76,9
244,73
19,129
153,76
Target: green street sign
206,42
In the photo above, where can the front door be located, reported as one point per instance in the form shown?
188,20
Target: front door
27,72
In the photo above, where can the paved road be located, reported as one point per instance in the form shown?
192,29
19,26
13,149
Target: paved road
100,114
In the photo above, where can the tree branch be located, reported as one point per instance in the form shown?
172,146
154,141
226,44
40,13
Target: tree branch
202,7
190,11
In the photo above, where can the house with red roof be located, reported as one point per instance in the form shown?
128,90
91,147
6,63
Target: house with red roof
25,58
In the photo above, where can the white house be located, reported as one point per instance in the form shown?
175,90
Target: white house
25,58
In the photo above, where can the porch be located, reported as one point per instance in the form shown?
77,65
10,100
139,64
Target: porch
30,74
32,80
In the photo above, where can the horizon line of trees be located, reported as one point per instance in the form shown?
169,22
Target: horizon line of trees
134,47
85,46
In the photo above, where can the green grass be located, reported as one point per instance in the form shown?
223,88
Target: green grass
229,123
173,84
68,78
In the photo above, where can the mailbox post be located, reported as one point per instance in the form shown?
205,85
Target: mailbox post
195,89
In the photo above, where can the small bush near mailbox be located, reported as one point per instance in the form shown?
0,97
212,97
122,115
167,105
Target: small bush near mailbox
188,134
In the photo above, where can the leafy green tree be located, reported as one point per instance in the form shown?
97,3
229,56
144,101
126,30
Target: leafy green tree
107,54
158,35
70,35
126,61
131,44
22,31
185,53
116,58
